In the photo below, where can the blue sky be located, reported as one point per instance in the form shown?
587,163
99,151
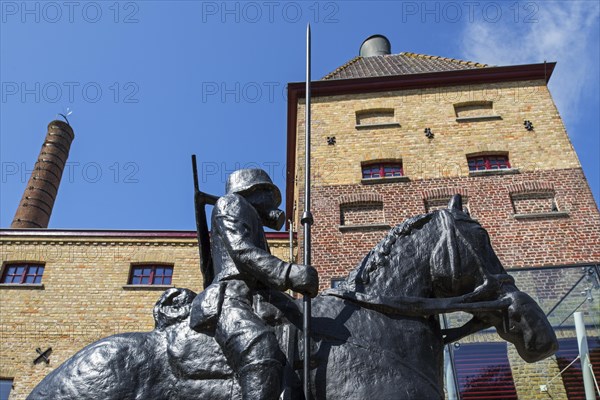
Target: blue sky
151,82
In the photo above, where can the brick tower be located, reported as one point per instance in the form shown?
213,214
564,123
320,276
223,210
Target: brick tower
38,199
396,135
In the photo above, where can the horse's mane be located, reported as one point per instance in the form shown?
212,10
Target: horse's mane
380,255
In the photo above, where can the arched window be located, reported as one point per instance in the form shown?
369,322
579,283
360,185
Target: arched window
376,118
472,111
362,211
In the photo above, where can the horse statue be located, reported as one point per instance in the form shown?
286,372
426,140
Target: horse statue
376,336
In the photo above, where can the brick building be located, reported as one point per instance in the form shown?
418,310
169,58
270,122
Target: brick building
393,135
396,135
93,284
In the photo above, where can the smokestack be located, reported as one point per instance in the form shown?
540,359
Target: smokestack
38,200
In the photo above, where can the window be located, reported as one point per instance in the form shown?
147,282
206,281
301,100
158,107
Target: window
472,111
483,371
361,214
383,170
492,162
473,108
23,273
572,376
442,204
534,203
336,282
376,118
151,275
5,388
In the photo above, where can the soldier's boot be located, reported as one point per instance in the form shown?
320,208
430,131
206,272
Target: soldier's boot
261,380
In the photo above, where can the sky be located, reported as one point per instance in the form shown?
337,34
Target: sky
151,82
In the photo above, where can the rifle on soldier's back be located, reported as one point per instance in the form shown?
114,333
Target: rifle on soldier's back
201,199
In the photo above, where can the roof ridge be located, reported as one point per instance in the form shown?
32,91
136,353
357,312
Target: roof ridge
343,67
454,60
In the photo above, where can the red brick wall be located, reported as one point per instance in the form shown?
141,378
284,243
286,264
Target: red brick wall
361,214
518,242
533,203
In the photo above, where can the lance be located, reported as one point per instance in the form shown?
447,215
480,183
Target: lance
307,220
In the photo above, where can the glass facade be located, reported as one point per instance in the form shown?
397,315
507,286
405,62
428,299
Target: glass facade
572,376
479,362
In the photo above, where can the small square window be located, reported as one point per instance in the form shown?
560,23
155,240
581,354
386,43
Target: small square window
22,273
151,275
336,282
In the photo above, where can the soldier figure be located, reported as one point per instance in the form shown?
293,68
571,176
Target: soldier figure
242,263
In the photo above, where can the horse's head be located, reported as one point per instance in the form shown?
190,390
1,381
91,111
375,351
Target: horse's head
448,256
464,264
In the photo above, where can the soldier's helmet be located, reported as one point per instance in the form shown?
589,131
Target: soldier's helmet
246,180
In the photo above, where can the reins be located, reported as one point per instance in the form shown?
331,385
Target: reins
410,306
419,306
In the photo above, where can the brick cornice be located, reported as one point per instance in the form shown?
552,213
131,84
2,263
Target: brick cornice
101,233
87,241
114,238
15,241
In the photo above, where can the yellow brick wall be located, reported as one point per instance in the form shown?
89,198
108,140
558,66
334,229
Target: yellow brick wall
83,299
547,147
529,377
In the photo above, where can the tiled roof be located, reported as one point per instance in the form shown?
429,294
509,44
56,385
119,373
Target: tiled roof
398,64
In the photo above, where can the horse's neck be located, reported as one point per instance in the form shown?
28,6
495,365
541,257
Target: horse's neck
407,272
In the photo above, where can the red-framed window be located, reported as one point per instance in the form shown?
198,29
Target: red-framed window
572,377
382,170
483,372
23,273
482,163
145,274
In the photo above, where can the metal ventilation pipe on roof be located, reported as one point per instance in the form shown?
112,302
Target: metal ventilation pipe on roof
376,45
36,205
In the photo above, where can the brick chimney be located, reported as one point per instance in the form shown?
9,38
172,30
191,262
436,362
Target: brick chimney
38,200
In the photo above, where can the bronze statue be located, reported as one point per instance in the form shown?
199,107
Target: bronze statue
377,336
242,264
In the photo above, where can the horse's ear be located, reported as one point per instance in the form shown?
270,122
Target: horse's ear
455,203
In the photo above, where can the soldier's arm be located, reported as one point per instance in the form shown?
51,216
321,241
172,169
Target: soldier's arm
267,268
